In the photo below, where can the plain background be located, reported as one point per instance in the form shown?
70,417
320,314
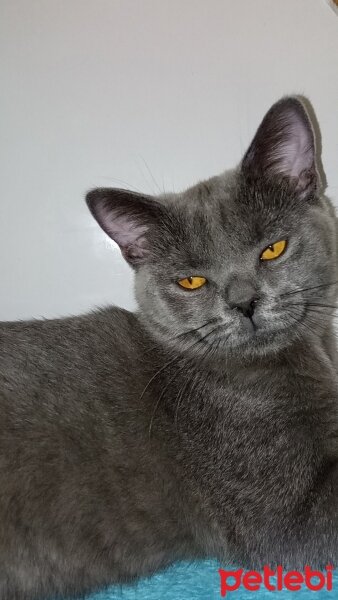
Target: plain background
147,94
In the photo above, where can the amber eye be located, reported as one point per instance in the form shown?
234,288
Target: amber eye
274,250
192,283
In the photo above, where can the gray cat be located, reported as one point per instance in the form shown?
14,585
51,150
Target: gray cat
206,423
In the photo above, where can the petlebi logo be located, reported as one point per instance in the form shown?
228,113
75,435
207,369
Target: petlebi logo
276,580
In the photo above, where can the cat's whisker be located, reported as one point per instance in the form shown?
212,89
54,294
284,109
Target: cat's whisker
315,287
179,398
316,305
186,333
320,305
151,175
189,381
184,367
315,322
308,302
210,351
301,323
175,359
320,316
214,320
185,387
165,366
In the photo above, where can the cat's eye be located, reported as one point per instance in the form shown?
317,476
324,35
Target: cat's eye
192,283
274,250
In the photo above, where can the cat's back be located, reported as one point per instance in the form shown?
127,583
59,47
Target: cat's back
68,354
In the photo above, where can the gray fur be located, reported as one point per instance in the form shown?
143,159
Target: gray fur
128,441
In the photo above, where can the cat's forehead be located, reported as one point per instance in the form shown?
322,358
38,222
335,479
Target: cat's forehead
229,212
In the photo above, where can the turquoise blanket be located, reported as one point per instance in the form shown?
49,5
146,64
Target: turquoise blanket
201,581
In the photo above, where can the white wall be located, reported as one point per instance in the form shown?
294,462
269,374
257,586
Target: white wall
142,93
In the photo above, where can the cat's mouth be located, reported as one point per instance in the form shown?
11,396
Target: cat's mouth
258,331
271,324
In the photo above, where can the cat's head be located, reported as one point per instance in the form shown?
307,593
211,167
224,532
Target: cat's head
242,262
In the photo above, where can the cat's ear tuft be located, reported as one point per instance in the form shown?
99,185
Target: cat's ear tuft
127,218
284,147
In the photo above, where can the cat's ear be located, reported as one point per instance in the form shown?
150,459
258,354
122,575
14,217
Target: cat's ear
126,217
284,147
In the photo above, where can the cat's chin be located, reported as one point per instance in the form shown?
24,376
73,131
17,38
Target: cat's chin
256,341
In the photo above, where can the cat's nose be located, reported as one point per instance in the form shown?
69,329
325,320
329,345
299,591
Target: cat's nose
246,307
242,296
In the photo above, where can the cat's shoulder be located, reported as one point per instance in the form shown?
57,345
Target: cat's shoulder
111,324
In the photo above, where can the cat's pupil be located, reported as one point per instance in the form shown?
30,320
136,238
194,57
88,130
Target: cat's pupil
190,280
272,247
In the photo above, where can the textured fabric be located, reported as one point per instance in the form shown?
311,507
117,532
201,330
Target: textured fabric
200,581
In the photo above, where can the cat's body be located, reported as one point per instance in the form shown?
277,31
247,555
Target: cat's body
87,498
204,425
100,488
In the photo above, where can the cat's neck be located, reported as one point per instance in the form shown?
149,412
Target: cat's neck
323,347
